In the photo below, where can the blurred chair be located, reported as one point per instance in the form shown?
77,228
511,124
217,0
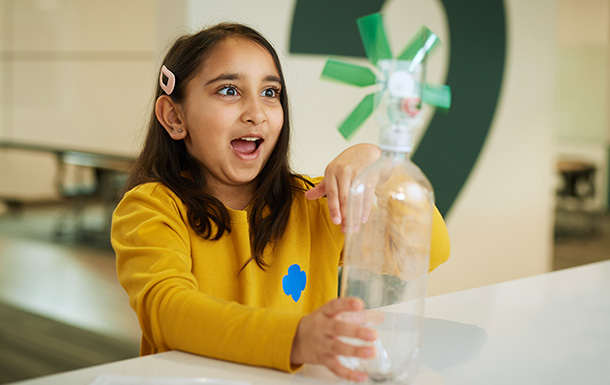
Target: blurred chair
576,214
109,175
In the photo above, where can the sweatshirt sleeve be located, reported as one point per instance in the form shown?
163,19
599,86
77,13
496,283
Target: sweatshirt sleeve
151,241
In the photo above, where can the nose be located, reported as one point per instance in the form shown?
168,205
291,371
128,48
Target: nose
254,111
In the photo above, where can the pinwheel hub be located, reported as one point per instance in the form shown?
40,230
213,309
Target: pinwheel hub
401,84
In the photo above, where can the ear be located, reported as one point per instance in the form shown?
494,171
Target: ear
170,116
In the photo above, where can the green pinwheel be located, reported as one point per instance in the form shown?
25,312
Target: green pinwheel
377,48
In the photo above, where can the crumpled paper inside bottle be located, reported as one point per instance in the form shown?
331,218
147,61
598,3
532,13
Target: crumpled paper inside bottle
401,208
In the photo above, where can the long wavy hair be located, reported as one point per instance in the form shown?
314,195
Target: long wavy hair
167,161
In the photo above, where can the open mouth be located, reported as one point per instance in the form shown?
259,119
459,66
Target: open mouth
246,145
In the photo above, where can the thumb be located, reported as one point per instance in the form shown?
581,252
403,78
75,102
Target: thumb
317,192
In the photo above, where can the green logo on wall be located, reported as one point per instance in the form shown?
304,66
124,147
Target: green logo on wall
451,145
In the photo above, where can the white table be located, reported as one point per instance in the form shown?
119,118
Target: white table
548,329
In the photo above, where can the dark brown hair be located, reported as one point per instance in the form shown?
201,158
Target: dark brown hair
167,161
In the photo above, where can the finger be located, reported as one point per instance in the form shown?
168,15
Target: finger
368,195
317,192
343,190
374,317
355,205
342,349
332,196
364,317
352,330
341,371
339,305
367,203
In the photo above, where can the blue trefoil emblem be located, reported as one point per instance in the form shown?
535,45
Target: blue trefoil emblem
294,282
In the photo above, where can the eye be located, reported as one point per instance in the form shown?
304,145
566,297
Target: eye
228,91
271,93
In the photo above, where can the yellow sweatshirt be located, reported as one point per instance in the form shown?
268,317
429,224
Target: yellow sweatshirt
189,296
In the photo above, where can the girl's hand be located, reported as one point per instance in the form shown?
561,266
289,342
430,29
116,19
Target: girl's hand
338,178
317,342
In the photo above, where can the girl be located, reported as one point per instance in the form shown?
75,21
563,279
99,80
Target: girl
224,252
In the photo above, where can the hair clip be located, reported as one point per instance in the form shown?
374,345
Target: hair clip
168,86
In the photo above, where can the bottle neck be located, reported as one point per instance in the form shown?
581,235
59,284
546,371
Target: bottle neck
396,139
396,156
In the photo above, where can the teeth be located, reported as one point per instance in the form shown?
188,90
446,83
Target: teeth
250,139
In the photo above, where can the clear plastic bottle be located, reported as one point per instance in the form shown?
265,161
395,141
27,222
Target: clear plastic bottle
387,251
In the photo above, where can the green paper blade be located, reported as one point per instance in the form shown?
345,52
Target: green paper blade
419,46
437,95
374,38
348,73
355,119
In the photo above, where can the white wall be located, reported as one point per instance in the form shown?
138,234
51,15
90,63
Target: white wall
501,224
76,75
82,72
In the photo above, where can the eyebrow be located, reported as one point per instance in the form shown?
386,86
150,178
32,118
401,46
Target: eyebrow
222,77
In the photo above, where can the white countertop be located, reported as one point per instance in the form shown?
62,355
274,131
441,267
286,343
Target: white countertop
548,329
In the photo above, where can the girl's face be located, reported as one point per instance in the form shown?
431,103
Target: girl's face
232,112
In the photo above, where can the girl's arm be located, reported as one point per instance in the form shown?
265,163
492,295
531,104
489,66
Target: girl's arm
154,265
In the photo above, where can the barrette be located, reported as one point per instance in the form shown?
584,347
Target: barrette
167,86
